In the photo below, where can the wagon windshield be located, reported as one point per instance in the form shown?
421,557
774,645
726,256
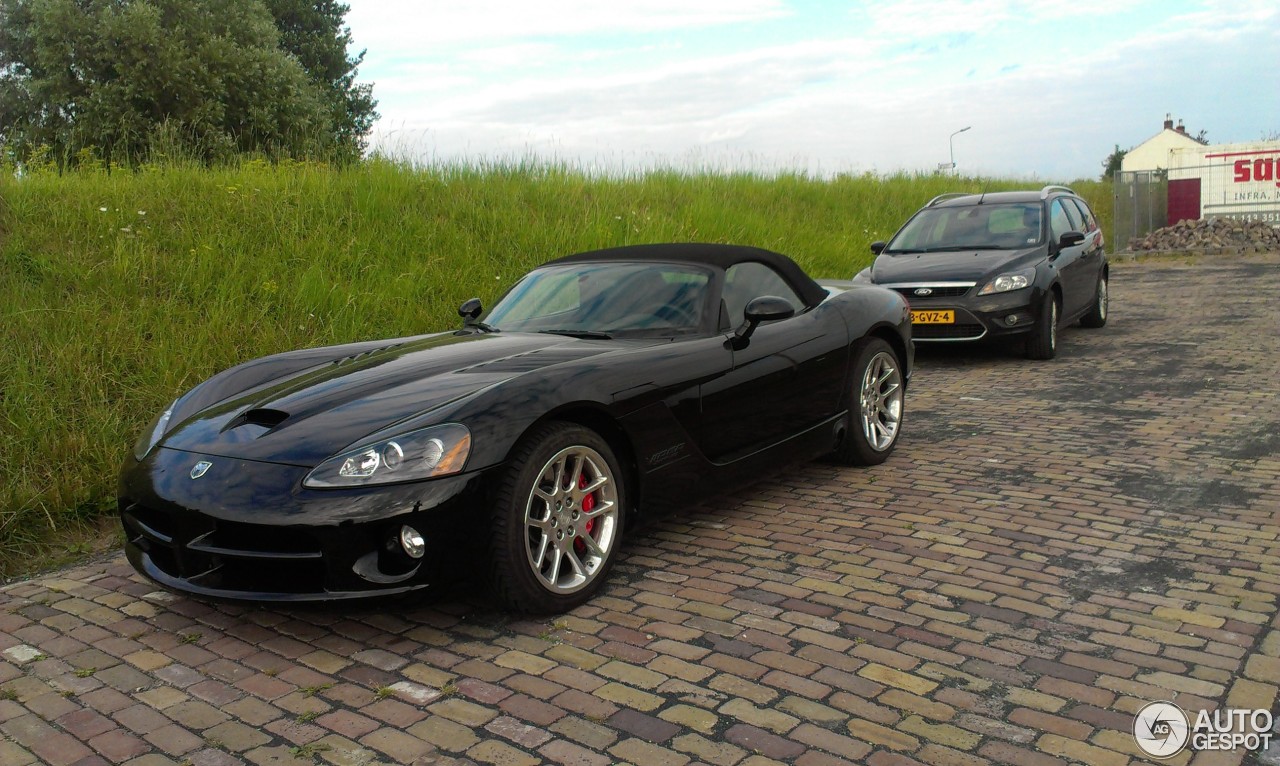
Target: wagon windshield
613,299
991,226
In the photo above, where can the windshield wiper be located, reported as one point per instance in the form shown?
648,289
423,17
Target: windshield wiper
586,334
473,327
960,248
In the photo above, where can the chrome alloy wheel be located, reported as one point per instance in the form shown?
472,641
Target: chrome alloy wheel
1102,299
880,404
571,519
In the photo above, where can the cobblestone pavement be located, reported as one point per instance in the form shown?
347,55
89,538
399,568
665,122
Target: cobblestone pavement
1053,545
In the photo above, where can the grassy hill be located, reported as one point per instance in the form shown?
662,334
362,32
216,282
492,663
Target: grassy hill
120,290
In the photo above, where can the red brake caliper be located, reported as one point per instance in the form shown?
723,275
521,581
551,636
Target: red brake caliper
588,504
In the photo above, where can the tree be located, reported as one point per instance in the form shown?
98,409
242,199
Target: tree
1111,165
313,32
116,74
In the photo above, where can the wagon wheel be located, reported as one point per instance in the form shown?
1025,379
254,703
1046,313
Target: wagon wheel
558,516
1043,343
1097,316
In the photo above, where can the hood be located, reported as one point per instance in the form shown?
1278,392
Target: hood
958,266
307,417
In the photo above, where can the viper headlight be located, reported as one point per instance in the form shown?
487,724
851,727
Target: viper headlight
154,433
421,454
1008,282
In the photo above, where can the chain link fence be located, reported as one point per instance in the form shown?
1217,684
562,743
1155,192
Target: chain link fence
1141,205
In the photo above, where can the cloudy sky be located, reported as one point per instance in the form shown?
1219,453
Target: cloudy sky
1047,88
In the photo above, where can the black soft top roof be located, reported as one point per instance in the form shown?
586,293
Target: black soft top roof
719,256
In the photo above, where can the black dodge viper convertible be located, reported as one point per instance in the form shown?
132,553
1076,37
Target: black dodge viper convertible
600,387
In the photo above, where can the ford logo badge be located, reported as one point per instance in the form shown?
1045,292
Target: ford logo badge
923,291
200,469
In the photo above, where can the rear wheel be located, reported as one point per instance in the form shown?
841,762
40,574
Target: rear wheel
1097,315
1043,343
558,520
875,408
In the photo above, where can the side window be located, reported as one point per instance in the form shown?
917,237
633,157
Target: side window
1059,222
1090,222
744,281
1073,214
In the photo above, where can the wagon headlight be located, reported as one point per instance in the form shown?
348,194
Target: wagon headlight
154,432
1008,282
422,454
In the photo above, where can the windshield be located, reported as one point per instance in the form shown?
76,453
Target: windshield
586,299
1005,226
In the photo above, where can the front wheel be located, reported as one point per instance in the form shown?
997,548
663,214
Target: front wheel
875,408
1097,315
1043,343
558,516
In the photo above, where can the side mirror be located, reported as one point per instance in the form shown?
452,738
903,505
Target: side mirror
766,308
877,247
470,310
1071,239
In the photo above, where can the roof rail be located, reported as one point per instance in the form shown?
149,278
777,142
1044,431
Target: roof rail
948,195
1044,193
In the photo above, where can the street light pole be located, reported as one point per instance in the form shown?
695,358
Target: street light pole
953,146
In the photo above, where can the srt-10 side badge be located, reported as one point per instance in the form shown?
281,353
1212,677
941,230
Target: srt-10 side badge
666,455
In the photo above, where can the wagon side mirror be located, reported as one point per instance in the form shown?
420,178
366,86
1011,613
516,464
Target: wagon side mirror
877,247
766,308
470,310
1071,239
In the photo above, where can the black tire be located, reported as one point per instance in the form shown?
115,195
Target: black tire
1097,316
876,400
541,524
1043,342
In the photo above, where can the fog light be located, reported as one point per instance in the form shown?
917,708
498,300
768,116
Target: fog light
1011,320
412,542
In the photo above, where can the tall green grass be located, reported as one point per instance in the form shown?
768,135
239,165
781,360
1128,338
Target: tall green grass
120,290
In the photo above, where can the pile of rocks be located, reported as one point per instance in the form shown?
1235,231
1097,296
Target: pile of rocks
1218,235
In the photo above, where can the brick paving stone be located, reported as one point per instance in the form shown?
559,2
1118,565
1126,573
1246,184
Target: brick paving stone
642,753
517,731
396,745
118,746
445,734
571,754
758,740
173,739
708,751
140,718
586,732
645,727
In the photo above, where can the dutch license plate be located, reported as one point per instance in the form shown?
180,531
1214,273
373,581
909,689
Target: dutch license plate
933,317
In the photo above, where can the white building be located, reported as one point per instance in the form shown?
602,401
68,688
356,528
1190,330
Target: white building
1154,153
1240,181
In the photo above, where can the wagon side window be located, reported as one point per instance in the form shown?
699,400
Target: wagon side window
1059,223
747,280
1090,223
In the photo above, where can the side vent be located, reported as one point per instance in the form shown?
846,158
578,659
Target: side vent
363,354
